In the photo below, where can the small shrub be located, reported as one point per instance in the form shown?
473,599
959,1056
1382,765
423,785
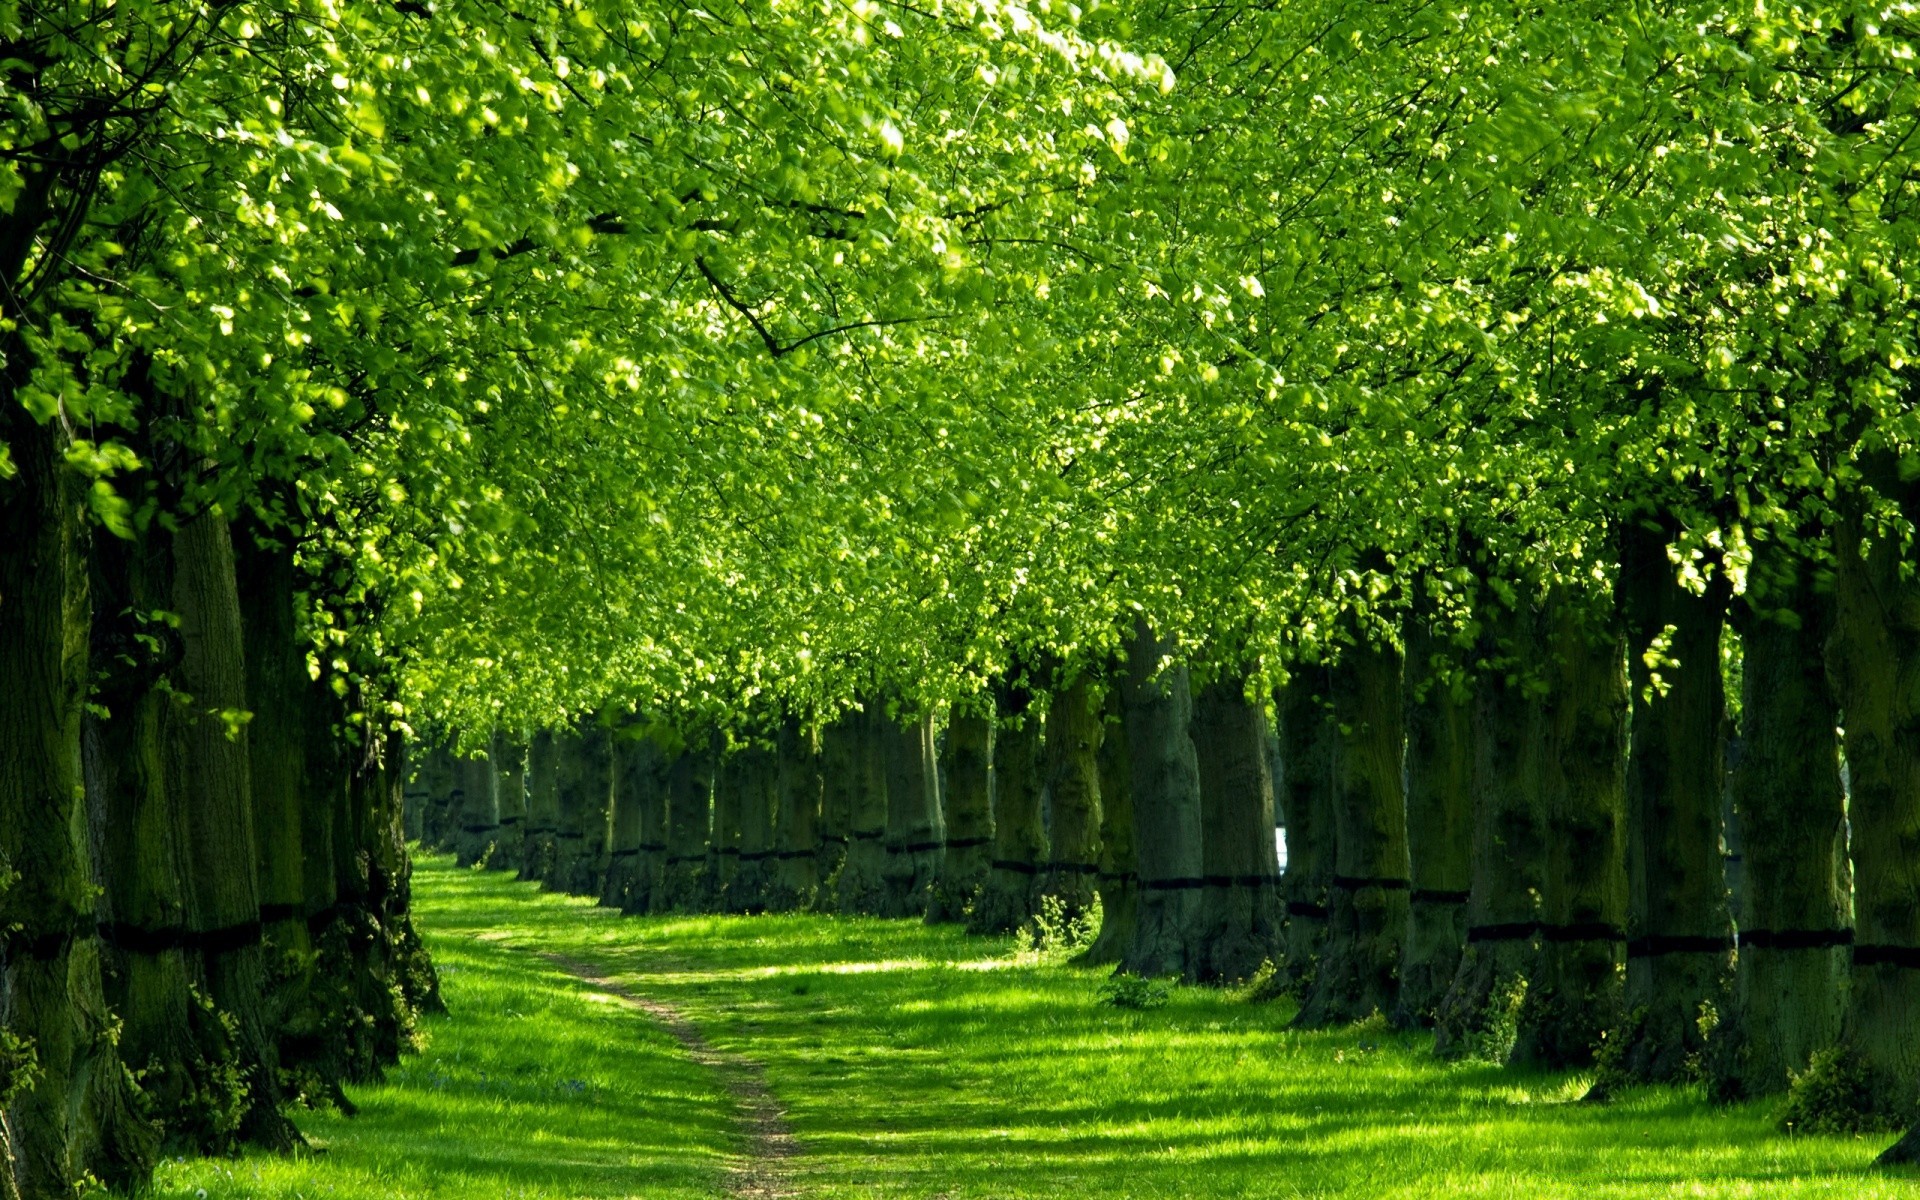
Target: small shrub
1135,992
1835,1094
1056,930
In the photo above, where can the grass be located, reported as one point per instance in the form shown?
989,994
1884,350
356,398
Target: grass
920,1062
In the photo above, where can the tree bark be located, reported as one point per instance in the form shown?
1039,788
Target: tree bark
1359,972
1010,896
652,769
509,758
540,839
862,890
1508,857
1074,730
796,825
1119,881
969,813
630,783
1680,931
1874,657
1439,717
839,782
1238,917
437,782
916,831
1307,736
752,777
1574,993
683,885
1166,809
479,830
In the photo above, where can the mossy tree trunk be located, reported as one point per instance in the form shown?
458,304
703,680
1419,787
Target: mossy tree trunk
651,770
540,839
437,783
509,758
1239,917
1010,896
1574,990
1366,937
862,888
1790,977
1439,717
1073,733
1119,890
1166,809
748,802
839,784
1679,928
689,789
1508,854
630,783
796,823
1875,661
479,810
916,831
1307,736
968,807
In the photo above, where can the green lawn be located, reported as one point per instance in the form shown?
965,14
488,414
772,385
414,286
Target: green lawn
918,1062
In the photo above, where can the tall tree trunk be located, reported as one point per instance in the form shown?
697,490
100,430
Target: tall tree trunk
216,794
796,821
1574,993
1307,736
651,771
452,808
1238,918
479,811
509,758
916,832
1010,896
623,852
753,775
683,885
1875,660
1439,716
1681,934
1359,972
862,889
1790,975
1074,730
1166,809
1508,859
1119,881
413,974
969,812
596,780
540,839
839,782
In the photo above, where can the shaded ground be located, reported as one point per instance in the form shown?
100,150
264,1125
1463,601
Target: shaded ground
917,1062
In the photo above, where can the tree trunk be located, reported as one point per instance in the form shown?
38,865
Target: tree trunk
1238,917
683,885
916,833
1119,883
862,890
1439,716
509,758
1074,730
1010,896
652,768
623,852
479,811
1574,993
752,776
969,813
1681,934
1307,736
216,792
1166,809
1875,660
413,974
1360,971
796,823
839,783
540,839
1508,859
438,781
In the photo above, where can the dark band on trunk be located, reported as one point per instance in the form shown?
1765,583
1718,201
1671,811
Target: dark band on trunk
1508,931
273,914
1880,955
45,947
1241,881
320,918
1583,931
834,837
536,830
756,856
674,860
1354,883
651,847
1660,944
917,848
626,853
1306,908
868,835
968,843
1435,896
137,940
1795,939
1019,868
483,829
506,821
570,836
1072,868
785,855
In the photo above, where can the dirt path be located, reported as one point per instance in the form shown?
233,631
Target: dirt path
763,1171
